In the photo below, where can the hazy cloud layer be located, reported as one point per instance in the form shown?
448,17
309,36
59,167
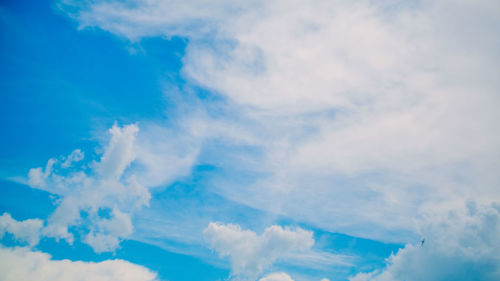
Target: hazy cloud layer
104,188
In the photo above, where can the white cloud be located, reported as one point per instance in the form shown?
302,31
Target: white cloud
280,276
38,176
119,153
462,244
107,232
388,106
24,264
75,156
165,154
117,184
250,254
106,188
175,18
26,230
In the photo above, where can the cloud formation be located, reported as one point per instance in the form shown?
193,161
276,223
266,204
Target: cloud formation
24,264
249,253
280,276
461,245
75,156
119,153
85,196
25,231
393,100
388,106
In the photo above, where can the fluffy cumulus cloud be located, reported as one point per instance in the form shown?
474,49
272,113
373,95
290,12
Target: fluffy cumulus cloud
393,100
106,236
24,264
460,245
25,231
280,276
86,195
249,253
99,197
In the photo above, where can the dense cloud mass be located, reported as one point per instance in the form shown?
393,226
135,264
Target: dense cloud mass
461,245
389,99
24,264
250,254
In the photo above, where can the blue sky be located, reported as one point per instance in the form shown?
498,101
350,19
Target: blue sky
263,140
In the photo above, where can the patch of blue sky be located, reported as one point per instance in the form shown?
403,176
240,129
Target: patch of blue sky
58,84
24,202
